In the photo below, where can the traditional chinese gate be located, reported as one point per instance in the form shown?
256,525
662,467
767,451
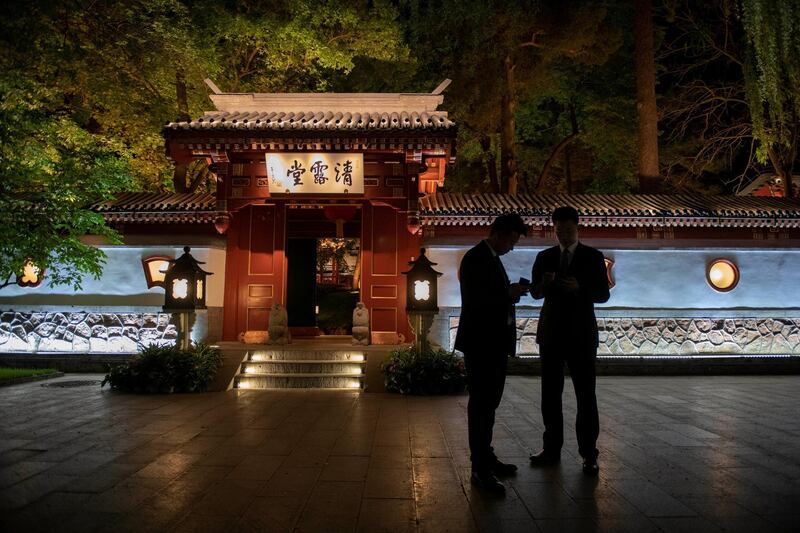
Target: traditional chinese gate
368,153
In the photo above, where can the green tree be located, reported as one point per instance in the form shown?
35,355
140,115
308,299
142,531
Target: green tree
50,171
772,76
296,45
510,61
114,69
720,129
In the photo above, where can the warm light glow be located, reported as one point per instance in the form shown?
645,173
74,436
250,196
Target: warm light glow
722,275
422,290
199,293
180,288
305,172
157,269
30,274
353,384
355,357
609,266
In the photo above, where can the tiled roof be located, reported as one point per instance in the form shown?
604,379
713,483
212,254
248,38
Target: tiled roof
153,208
461,209
318,121
456,209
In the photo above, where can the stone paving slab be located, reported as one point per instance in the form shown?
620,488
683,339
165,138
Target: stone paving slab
717,453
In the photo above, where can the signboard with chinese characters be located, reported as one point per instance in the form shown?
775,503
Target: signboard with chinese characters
309,173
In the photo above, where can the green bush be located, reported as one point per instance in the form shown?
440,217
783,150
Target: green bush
167,369
435,372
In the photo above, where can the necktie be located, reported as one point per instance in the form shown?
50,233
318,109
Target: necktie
563,266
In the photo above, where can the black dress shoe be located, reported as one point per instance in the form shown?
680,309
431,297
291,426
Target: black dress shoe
484,479
590,466
545,458
500,468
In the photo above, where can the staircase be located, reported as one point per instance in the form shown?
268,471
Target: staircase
288,367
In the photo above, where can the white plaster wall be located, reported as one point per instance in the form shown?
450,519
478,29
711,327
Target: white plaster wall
659,279
122,284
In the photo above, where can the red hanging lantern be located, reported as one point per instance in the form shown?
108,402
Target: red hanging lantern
340,214
222,222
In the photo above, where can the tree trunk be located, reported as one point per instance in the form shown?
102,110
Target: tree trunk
508,161
646,98
491,162
200,175
545,173
567,170
181,95
782,170
179,172
788,184
563,145
179,177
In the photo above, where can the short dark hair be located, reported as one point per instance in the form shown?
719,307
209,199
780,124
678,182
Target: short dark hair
508,222
565,212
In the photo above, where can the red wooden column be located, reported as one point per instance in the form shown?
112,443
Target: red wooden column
255,268
387,246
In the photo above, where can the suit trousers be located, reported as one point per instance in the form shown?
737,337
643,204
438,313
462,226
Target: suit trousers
581,363
486,379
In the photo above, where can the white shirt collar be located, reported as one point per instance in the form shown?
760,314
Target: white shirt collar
571,248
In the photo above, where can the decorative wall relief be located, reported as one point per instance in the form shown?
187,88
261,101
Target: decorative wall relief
121,333
678,336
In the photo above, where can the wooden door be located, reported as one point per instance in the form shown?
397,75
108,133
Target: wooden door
255,268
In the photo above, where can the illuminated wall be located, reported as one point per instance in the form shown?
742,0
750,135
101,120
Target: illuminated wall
662,303
117,313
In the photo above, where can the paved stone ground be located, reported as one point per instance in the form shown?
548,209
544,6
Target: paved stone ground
677,454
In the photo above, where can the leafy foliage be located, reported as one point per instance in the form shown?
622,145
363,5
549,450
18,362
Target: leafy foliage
435,372
167,369
527,75
297,45
50,171
772,75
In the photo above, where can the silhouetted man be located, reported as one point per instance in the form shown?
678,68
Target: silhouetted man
487,336
571,277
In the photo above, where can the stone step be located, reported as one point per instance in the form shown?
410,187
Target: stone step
309,366
257,356
298,381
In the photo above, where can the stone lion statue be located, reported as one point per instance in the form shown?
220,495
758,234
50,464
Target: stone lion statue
278,325
361,325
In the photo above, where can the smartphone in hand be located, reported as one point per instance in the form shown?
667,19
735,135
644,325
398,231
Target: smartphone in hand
524,281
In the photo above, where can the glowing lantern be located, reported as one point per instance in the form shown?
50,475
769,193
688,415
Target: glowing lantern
722,275
31,275
154,268
185,285
422,290
421,285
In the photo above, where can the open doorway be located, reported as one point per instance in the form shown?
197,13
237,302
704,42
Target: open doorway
337,284
323,281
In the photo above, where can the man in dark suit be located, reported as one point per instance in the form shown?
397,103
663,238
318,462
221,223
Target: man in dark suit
487,335
571,277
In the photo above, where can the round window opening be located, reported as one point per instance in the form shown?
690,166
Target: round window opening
722,275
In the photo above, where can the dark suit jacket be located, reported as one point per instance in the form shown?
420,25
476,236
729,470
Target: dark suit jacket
485,305
569,318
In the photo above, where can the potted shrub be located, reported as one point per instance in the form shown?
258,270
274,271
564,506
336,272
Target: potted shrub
166,369
433,372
